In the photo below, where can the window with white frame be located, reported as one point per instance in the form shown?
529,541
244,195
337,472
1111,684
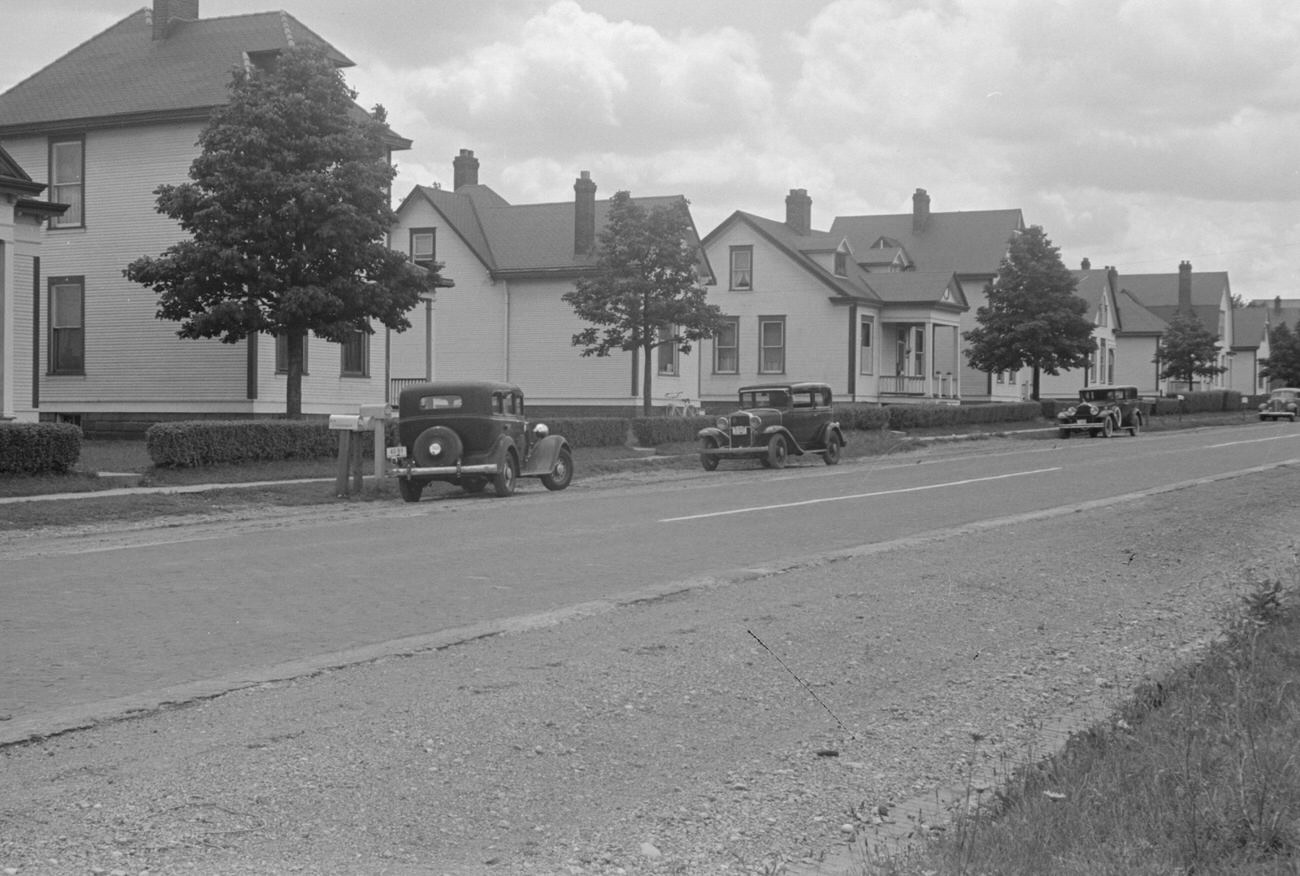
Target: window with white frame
726,347
67,325
356,355
282,354
771,345
667,351
67,181
424,245
742,267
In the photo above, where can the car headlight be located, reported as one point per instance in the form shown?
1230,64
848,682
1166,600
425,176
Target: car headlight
1264,406
1067,413
754,421
721,423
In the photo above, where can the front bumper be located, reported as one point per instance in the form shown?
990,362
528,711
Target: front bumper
1081,425
442,471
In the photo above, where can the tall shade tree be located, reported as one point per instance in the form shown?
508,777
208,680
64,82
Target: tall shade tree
1187,350
1032,316
1282,367
645,292
287,211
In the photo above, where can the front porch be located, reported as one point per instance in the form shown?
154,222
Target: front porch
919,363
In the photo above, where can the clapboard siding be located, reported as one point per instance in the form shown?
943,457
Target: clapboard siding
134,361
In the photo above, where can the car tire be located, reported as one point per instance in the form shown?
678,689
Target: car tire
410,490
1135,425
778,451
473,485
437,445
708,462
832,454
561,474
503,482
1107,427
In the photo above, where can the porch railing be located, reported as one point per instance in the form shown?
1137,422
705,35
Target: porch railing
397,384
942,385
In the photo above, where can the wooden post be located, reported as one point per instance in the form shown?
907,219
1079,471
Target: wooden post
357,480
345,459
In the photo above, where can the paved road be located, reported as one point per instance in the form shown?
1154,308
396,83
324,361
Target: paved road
101,623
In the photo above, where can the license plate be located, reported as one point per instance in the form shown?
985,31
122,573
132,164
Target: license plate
739,430
396,452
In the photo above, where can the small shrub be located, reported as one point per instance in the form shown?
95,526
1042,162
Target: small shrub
653,431
39,448
211,442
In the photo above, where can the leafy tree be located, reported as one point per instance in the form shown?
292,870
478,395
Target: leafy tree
1187,350
286,212
1032,316
1282,367
645,292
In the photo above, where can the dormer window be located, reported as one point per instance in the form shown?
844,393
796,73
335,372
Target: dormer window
262,62
423,242
842,261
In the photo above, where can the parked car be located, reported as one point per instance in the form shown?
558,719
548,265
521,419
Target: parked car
1282,402
1103,410
774,421
473,433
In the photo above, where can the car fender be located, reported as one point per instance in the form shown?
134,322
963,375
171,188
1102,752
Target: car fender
715,433
544,454
500,449
827,431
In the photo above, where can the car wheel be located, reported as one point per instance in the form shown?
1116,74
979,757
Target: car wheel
832,454
437,445
708,462
777,452
561,474
1135,425
409,489
504,480
1107,427
473,485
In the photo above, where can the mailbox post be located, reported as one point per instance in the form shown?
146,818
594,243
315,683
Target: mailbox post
349,450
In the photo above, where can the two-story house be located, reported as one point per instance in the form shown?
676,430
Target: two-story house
1098,287
1206,294
23,214
505,319
103,126
802,304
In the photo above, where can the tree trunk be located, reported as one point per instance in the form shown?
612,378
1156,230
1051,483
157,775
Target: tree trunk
647,375
296,343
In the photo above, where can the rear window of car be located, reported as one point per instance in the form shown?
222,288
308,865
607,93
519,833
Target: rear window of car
440,402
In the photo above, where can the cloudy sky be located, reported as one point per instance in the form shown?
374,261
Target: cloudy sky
1138,133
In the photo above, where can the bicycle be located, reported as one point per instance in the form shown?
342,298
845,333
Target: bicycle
679,405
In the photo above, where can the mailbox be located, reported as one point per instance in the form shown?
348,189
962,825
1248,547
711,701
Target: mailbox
348,423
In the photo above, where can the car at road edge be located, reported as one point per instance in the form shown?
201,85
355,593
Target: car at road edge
472,433
1282,402
774,421
1103,410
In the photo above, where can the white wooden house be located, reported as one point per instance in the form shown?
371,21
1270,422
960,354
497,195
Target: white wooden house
504,319
103,126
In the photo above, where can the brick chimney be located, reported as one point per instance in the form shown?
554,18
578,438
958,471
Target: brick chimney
165,11
1185,287
798,211
920,211
464,169
584,215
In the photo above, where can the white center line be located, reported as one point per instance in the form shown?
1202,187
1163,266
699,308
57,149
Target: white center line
1251,441
858,495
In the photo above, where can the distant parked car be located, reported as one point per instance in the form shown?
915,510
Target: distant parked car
774,421
1282,402
473,433
1103,410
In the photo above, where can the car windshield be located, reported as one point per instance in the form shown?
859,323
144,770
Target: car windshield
1285,394
1097,395
440,402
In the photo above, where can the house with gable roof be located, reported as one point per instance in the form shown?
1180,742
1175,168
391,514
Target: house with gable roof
803,304
504,319
967,244
1250,347
23,215
1098,287
103,126
1205,294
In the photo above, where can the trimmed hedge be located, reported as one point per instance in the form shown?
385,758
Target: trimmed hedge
653,431
863,418
210,442
905,417
587,431
39,448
